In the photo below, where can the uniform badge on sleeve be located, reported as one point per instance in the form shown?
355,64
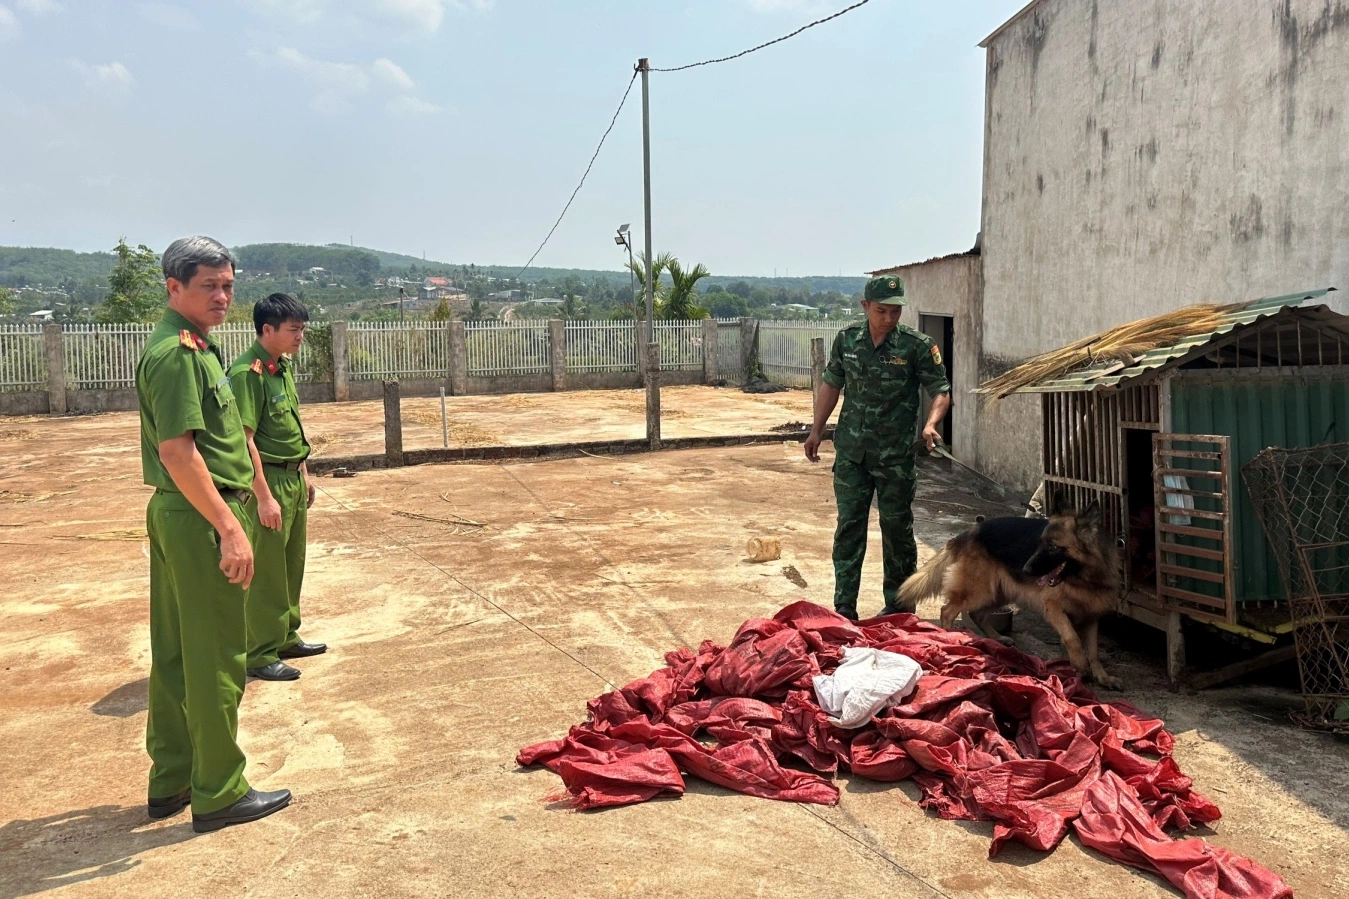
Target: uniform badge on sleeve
936,354
190,340
256,367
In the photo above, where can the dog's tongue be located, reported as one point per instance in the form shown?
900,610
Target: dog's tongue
1052,579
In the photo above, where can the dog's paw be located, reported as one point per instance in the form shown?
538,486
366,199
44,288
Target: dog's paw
1109,682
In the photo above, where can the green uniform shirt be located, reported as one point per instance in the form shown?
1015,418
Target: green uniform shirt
269,405
181,386
881,390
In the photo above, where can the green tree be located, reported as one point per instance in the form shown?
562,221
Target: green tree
726,305
442,312
681,301
6,301
638,267
135,287
572,308
477,312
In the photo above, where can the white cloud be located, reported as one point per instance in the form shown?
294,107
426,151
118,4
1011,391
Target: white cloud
9,24
335,77
166,15
392,73
111,76
424,14
411,106
38,7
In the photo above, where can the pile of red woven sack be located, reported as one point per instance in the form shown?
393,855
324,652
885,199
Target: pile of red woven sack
990,734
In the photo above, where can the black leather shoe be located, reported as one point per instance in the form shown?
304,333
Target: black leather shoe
171,805
250,807
850,614
275,671
302,649
892,610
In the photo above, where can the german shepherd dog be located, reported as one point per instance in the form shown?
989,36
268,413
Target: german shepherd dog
1065,567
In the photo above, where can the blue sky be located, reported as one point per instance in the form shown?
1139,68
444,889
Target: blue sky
459,127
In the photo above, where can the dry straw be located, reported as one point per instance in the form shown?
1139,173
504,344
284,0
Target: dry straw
1123,344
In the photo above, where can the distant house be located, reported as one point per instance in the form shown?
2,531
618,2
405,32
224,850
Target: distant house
507,296
437,281
547,301
42,315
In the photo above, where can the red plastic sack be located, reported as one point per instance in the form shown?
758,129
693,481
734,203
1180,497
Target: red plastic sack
990,734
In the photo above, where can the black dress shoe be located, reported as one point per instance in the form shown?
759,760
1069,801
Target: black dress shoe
171,805
302,649
847,612
275,671
250,807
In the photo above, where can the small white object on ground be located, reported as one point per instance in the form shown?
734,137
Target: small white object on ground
867,681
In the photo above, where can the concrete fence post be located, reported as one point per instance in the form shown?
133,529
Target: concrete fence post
639,341
56,368
557,352
652,366
458,358
711,369
393,425
341,363
749,331
816,371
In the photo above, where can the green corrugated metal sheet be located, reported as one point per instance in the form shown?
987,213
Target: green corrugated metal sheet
1256,413
1112,374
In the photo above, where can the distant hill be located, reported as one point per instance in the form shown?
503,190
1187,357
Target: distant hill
50,267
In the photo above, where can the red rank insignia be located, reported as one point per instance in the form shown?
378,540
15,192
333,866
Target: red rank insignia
256,367
271,368
190,340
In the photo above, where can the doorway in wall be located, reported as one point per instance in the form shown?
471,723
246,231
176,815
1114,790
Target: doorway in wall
941,328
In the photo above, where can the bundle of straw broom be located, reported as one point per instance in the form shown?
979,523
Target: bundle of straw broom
1124,343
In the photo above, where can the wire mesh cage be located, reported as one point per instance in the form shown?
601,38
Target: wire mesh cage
1302,499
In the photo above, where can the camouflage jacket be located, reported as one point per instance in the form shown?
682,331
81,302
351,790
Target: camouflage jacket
881,391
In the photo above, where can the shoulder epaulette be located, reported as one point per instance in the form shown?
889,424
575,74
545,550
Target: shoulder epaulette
188,339
256,367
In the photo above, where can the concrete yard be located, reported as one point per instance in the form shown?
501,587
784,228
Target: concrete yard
457,637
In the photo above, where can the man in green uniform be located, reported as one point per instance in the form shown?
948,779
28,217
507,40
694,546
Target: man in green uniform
880,367
263,379
195,455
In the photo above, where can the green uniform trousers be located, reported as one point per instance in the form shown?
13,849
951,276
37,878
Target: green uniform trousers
196,657
855,483
274,599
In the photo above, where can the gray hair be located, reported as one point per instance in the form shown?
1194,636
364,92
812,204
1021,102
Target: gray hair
185,254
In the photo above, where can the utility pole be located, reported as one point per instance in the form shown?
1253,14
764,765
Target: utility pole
644,67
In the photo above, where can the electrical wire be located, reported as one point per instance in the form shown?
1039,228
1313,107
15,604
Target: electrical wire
708,62
584,175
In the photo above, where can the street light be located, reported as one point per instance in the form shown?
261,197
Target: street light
622,241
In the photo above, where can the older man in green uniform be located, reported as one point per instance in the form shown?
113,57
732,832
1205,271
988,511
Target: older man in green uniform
195,455
880,367
263,379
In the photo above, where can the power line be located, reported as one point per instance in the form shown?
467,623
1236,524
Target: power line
708,62
593,157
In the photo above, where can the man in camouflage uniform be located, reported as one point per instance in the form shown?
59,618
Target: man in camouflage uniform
880,367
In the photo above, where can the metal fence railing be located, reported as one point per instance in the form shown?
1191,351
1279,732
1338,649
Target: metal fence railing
407,349
603,346
729,364
508,348
681,345
102,357
784,349
23,358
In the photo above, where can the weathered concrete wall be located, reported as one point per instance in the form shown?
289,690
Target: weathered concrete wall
1141,156
29,402
952,285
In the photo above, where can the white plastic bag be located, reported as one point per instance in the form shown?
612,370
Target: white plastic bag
867,681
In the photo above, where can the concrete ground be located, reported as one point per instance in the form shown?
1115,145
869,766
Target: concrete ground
518,592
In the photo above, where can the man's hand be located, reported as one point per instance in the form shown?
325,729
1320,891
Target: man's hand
813,447
236,556
312,492
931,437
269,512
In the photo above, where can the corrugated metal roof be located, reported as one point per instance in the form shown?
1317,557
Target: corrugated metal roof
1154,362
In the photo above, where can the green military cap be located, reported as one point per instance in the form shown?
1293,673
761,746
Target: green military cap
886,289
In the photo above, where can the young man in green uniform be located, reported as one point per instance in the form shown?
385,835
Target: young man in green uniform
263,379
195,455
880,367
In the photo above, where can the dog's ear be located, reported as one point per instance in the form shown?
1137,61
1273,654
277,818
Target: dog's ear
1090,517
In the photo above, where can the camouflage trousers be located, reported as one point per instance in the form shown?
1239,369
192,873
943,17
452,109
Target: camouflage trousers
893,486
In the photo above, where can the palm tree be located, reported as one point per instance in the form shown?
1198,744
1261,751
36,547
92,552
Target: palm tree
572,308
638,268
680,301
476,312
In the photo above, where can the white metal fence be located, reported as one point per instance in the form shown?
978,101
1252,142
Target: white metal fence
784,349
681,345
410,349
508,348
102,357
23,358
730,366
601,346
